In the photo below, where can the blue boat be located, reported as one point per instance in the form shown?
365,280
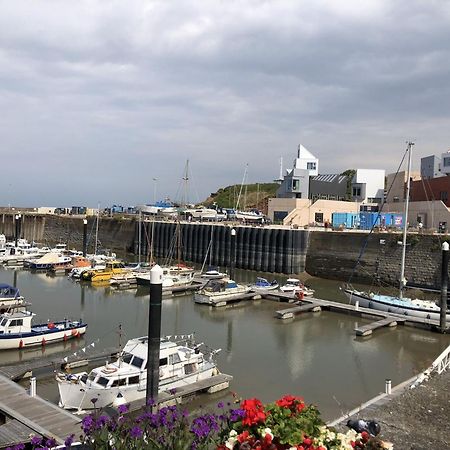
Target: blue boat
9,296
262,284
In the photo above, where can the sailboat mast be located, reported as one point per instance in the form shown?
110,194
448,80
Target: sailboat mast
242,185
405,223
96,230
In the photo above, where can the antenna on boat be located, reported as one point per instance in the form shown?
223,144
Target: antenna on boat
120,342
405,224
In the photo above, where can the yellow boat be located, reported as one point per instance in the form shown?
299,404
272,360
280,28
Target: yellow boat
112,268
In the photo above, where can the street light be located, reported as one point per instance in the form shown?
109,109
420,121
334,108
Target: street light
154,189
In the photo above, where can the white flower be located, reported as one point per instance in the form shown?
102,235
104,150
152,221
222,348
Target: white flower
233,433
268,431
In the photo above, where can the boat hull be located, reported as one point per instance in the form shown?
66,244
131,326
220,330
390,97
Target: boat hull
366,301
18,341
73,396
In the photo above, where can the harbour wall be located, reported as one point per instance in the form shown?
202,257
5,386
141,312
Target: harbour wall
326,254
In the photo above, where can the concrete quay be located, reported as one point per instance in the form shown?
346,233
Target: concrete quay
415,414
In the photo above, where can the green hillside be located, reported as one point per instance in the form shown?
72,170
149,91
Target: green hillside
252,195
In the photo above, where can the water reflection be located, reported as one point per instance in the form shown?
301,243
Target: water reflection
314,355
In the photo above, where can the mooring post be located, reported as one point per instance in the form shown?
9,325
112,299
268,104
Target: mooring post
444,286
16,231
232,253
33,387
388,386
84,237
154,334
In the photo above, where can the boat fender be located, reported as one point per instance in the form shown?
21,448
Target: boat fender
21,344
300,295
50,325
65,337
43,342
74,332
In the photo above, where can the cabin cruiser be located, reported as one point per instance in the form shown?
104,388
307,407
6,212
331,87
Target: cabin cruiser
295,286
17,332
111,269
220,290
179,275
180,364
213,274
262,284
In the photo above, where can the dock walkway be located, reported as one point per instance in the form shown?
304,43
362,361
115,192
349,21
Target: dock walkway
34,413
383,318
17,371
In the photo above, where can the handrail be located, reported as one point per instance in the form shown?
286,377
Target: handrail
442,362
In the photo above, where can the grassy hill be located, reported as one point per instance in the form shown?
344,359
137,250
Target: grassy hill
252,195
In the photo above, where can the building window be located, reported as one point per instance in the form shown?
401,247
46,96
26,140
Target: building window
356,192
295,185
318,217
278,216
443,195
311,166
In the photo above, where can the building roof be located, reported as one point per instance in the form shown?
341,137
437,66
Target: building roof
330,178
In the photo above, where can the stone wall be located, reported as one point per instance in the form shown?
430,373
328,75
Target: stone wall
334,255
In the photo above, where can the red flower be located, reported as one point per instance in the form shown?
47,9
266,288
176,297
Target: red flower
307,441
243,436
254,411
365,436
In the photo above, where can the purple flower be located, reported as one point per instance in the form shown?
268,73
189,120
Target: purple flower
101,421
50,443
69,441
136,432
123,409
19,447
172,391
220,405
151,402
36,440
236,414
87,424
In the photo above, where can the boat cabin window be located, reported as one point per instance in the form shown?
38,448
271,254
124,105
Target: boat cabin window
84,378
133,380
92,376
127,357
103,381
190,368
3,322
16,323
175,358
163,362
137,362
119,382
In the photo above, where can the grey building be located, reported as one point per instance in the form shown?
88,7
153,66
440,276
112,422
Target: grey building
430,167
294,185
328,187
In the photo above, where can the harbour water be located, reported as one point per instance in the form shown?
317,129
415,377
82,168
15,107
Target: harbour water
316,356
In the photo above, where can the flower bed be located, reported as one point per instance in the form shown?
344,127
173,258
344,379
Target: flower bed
287,424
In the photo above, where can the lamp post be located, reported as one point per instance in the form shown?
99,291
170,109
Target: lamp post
444,286
155,180
84,237
232,252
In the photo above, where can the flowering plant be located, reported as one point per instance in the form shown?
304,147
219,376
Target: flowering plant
287,424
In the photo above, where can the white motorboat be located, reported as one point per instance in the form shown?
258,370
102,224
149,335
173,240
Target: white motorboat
180,363
179,275
9,296
262,284
213,274
215,291
295,286
17,332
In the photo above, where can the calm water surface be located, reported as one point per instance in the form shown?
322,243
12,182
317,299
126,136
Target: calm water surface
315,356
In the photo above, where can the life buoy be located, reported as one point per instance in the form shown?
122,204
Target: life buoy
109,369
21,344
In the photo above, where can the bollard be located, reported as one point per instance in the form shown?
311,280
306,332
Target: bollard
388,386
33,387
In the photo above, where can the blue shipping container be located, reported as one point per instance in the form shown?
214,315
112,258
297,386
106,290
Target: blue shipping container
367,220
347,220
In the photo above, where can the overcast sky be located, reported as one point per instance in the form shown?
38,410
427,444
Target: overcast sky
99,98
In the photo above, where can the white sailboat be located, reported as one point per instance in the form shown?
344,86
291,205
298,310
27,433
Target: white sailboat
398,304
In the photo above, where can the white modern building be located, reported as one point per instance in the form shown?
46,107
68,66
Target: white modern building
295,183
368,186
445,163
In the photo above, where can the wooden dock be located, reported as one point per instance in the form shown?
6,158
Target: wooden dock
214,384
367,330
34,413
59,361
382,318
289,313
218,303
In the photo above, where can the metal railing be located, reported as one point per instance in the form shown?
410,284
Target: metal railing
442,362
